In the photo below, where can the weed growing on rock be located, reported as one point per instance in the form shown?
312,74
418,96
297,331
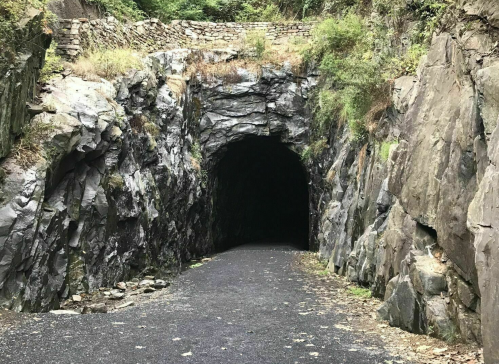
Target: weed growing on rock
314,150
384,152
360,292
28,148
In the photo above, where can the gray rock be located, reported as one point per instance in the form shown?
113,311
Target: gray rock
159,284
428,275
146,283
98,308
467,294
121,285
117,295
126,304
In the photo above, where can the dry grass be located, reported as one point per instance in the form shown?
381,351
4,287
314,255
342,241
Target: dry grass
362,160
330,176
137,122
28,148
177,85
270,55
378,108
106,63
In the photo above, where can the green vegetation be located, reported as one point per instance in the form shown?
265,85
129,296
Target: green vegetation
196,152
324,272
213,10
359,57
12,35
314,150
353,85
196,265
360,292
53,64
152,129
384,152
255,41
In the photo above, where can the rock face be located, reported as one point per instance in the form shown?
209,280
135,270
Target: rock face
117,190
18,82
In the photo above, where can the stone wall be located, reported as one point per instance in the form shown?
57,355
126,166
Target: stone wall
76,35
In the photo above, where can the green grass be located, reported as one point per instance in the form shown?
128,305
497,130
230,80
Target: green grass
196,265
384,152
324,272
360,292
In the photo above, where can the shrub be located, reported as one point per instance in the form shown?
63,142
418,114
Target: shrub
353,83
121,9
256,42
107,63
12,36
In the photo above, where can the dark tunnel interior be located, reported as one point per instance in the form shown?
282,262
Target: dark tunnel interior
261,196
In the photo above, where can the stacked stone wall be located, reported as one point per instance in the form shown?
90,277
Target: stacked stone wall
77,35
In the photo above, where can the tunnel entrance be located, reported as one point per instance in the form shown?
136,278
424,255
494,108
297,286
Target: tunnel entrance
261,196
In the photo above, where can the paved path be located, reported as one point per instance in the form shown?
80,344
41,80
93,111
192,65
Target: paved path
242,307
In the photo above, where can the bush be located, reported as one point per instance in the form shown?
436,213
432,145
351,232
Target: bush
107,63
314,150
352,78
121,9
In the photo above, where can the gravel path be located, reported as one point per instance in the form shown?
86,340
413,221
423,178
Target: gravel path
247,305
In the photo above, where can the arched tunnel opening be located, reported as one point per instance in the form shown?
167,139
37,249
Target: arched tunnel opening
261,196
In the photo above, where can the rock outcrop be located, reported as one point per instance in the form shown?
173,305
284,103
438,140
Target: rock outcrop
18,80
117,190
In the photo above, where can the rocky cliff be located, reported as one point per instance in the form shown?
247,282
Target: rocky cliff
418,228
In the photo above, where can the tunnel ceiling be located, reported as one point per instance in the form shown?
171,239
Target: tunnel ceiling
261,195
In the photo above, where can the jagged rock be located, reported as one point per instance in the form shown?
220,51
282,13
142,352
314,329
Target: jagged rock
428,275
467,294
439,323
403,308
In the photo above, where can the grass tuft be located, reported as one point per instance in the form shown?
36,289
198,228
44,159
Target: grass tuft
107,63
360,292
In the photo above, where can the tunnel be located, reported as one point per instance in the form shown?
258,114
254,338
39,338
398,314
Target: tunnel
260,196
